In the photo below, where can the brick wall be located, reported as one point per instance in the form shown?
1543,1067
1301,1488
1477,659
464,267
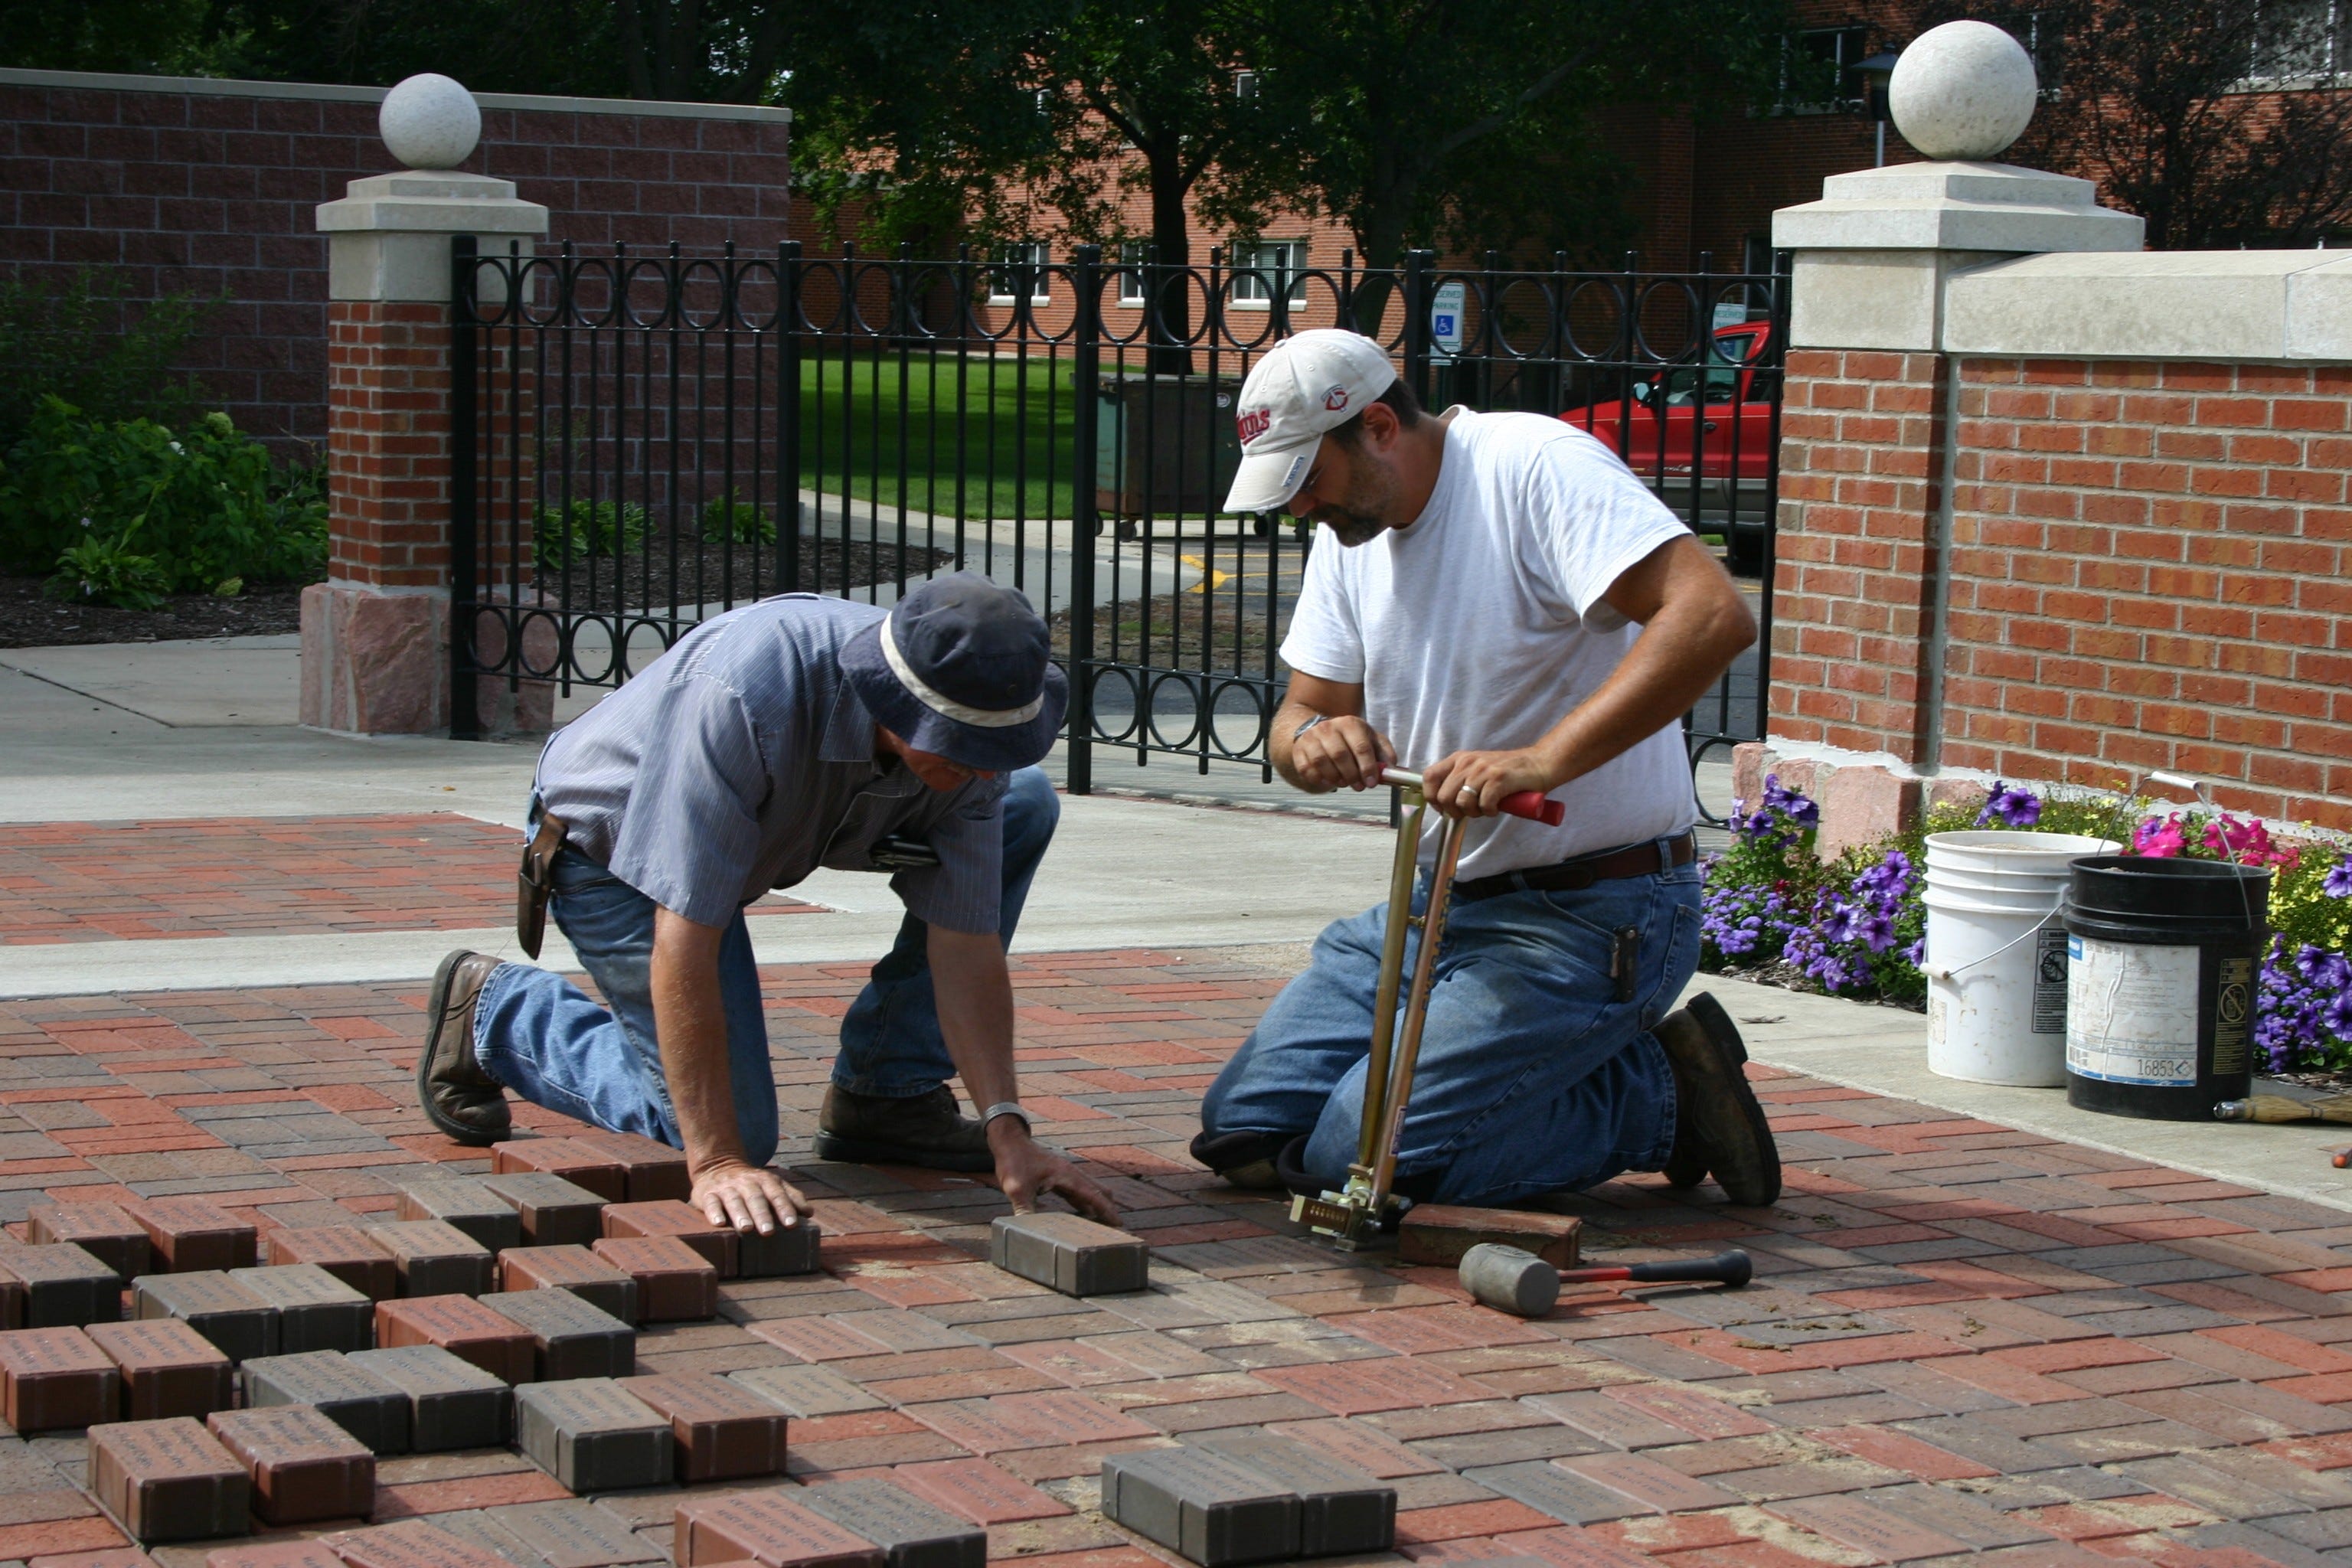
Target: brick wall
1853,600
210,188
2148,571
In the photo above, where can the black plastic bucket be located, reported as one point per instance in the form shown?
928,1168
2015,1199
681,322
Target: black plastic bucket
2160,961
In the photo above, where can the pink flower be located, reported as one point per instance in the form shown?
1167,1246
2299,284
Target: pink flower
2159,837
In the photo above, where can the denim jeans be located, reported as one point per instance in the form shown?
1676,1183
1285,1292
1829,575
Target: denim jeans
1532,1077
542,1037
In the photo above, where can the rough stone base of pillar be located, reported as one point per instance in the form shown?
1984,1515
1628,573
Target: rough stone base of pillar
1863,805
375,663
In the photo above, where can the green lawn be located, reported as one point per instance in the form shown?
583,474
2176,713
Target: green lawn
1010,424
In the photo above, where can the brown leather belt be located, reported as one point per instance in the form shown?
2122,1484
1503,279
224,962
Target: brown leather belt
537,881
1571,876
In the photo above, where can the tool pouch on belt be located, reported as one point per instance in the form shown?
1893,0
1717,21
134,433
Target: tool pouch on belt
536,882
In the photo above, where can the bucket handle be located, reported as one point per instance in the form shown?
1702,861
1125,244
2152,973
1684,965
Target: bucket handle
1940,971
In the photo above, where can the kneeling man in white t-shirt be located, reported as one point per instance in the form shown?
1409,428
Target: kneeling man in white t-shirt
1502,603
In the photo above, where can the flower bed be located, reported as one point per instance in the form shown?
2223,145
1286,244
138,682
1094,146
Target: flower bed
1854,926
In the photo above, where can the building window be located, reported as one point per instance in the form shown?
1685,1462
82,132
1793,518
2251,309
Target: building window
1005,275
1132,254
1262,270
1817,70
2298,40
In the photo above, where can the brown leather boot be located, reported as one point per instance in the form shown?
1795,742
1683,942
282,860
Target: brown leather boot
1718,1121
926,1130
459,1097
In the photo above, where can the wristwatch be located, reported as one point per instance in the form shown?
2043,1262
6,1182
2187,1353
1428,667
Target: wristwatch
1006,1107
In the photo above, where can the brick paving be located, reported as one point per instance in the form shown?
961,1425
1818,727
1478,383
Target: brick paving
98,881
1964,1341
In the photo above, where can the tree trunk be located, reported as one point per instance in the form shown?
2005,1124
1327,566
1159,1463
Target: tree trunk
1172,315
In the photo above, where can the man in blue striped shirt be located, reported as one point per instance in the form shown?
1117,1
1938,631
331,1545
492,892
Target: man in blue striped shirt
792,733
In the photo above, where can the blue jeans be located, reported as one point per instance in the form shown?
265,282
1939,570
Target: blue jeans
1533,1077
541,1035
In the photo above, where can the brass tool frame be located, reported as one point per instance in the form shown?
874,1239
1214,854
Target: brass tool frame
1356,1217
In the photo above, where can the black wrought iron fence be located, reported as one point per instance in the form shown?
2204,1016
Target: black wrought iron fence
644,440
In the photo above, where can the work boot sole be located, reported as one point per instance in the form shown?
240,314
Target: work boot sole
1722,1090
867,1151
436,1007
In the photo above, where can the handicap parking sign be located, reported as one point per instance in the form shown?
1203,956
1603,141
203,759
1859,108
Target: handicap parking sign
1446,317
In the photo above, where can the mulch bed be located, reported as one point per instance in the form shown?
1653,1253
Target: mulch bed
29,620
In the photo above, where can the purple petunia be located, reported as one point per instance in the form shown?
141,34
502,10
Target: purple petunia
2011,806
2337,883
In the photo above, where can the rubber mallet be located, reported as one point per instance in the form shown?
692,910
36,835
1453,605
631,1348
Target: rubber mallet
1511,1280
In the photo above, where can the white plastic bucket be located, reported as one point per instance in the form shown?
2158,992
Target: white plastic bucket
1996,959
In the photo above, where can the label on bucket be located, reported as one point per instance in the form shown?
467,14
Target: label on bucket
2050,950
2131,1013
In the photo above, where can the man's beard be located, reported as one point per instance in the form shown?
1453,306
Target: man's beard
1366,511
1350,528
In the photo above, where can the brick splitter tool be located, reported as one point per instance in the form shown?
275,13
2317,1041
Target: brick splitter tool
1366,1208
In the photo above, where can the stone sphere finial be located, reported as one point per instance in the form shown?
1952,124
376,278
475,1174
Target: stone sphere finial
1962,91
430,122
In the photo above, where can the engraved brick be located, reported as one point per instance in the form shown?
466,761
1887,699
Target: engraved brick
185,1234
913,1533
1440,1234
675,1283
65,1286
316,1311
575,1535
435,1258
573,1269
466,1206
278,1554
548,1210
1070,1253
51,1379
807,1390
345,1251
411,1543
570,1336
653,1171
462,1326
592,1435
599,1171
105,1231
1212,1509
978,1492
1340,1507
356,1399
786,1250
716,1243
769,1527
168,1369
168,1480
302,1467
213,1304
452,1404
720,1430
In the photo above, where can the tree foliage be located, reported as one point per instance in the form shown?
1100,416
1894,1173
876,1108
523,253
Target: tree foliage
2151,98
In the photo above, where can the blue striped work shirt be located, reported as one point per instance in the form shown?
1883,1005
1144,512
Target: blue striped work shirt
741,760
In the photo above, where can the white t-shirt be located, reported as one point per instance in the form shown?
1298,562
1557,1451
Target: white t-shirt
1482,625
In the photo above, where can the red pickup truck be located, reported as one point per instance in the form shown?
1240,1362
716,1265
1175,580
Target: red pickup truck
1701,436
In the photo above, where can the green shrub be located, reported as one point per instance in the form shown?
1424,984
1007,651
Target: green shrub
731,520
83,340
126,511
580,529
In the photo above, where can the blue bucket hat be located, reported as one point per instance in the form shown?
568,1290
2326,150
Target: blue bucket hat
963,668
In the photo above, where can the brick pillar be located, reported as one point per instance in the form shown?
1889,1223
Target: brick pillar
375,635
1864,524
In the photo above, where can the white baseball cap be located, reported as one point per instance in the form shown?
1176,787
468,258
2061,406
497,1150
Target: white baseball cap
1305,385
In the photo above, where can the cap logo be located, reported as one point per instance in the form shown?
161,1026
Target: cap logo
1252,424
1336,399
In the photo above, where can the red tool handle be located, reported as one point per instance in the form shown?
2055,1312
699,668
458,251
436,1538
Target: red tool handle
1733,1269
1535,805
